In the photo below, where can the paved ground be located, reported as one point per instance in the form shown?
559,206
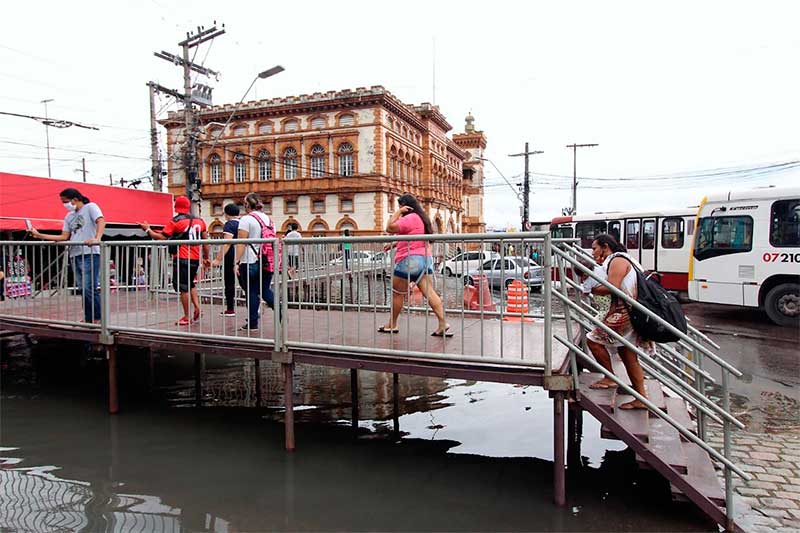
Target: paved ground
767,400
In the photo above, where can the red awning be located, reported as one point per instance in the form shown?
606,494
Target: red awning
36,199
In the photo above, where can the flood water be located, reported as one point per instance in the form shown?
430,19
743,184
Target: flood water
469,457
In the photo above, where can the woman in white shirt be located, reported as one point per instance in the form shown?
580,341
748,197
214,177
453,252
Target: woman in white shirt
255,277
622,275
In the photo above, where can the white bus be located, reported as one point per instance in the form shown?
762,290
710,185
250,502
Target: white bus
747,252
659,240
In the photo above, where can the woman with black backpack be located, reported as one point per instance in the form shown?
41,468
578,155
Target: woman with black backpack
621,273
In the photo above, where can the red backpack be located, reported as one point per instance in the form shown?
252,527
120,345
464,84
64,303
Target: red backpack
268,232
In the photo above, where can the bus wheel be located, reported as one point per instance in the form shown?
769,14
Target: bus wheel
782,304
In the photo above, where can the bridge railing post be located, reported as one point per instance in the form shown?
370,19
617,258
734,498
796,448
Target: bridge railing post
548,311
105,292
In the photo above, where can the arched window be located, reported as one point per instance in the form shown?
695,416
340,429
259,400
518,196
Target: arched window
318,123
216,169
317,161
290,164
266,127
347,120
318,229
346,167
239,168
291,125
240,131
264,166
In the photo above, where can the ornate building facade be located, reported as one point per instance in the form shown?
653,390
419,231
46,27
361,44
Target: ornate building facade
334,161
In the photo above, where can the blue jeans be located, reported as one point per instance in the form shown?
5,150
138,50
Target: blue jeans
256,285
87,276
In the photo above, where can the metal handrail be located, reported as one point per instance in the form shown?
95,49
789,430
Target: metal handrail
579,251
633,303
654,408
684,360
641,353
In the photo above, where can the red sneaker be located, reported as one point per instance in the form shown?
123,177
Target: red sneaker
228,313
183,322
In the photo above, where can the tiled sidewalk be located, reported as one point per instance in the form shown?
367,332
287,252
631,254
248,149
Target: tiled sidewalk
771,501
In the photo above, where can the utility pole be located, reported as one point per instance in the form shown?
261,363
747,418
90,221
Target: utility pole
526,186
83,168
575,174
110,179
47,135
189,99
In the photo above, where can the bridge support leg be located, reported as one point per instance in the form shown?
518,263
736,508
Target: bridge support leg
199,367
354,397
257,371
288,403
396,404
113,393
559,470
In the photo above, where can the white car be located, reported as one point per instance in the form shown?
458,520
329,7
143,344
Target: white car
465,262
361,257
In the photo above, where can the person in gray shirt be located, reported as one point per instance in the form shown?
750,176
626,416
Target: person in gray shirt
84,224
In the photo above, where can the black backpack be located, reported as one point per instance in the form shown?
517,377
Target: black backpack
182,236
654,297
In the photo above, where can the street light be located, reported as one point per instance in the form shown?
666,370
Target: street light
516,192
277,69
47,135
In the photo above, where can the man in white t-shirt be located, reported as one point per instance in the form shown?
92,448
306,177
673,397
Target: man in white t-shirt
253,278
293,250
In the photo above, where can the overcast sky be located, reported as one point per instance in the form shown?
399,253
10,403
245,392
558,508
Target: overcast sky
667,91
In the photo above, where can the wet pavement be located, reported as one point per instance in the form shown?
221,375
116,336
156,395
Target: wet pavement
767,400
470,456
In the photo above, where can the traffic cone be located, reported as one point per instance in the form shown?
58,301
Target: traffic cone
480,297
516,303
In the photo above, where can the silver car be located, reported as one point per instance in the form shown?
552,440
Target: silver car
501,272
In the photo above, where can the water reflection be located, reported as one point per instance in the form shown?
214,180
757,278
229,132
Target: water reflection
474,456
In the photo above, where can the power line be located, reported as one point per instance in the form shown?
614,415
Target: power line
88,152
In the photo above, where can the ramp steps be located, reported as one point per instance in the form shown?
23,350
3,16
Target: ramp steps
657,444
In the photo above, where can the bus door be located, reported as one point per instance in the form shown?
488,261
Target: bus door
647,251
633,234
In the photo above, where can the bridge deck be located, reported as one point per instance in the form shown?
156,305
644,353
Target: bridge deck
489,342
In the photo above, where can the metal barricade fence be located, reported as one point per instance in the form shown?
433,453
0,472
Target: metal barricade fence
51,282
335,293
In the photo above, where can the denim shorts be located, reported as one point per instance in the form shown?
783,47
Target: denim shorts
413,267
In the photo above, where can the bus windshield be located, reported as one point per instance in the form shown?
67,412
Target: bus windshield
722,236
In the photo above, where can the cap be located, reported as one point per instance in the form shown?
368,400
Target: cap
182,205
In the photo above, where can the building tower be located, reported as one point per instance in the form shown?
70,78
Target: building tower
473,142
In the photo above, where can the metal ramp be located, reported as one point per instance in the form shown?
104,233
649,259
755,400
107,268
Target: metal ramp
670,435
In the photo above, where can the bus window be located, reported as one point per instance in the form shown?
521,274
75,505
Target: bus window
723,235
784,227
632,235
562,232
587,231
649,235
672,233
614,228
690,227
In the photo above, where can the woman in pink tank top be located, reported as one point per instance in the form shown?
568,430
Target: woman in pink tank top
413,263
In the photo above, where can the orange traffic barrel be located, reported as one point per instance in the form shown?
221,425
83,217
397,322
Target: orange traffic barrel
516,302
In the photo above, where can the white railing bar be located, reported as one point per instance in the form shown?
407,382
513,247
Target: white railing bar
654,408
342,349
620,294
657,365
